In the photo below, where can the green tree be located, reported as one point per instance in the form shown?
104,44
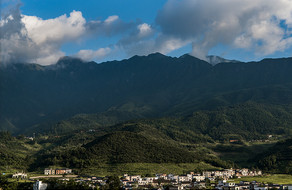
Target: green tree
208,183
3,181
114,182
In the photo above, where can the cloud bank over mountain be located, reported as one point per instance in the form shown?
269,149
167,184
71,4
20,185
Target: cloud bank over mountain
262,27
32,39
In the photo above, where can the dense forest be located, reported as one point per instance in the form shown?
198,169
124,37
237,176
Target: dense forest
248,121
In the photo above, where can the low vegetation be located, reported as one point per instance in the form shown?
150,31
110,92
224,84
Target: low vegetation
272,179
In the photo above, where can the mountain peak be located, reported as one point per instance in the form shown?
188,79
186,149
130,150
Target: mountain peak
156,55
66,61
188,56
69,60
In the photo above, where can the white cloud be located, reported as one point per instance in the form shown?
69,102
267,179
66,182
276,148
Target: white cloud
252,25
144,30
111,19
89,55
48,59
111,26
32,39
166,44
144,46
58,30
145,39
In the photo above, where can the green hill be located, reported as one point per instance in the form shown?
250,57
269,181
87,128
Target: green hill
127,143
200,138
15,153
130,147
248,121
278,159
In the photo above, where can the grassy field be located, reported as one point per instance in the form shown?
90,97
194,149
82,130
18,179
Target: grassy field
243,154
146,168
274,178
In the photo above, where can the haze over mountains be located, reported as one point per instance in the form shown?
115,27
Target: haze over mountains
142,86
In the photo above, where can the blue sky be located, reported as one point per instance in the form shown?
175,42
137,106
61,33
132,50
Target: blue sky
127,10
95,9
43,30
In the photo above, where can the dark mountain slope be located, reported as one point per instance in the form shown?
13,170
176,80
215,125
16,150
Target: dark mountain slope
148,86
32,94
248,121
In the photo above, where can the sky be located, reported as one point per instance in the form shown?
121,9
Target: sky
42,31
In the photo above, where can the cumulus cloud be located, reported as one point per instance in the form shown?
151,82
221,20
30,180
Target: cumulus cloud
162,43
144,30
57,30
252,25
140,35
146,39
13,41
89,55
32,39
111,26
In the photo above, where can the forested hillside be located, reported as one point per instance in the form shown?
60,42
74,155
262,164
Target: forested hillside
248,121
203,137
142,86
188,139
278,159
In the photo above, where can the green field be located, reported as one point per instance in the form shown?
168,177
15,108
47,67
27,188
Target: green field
242,154
147,168
275,179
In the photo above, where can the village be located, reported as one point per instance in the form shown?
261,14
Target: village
217,179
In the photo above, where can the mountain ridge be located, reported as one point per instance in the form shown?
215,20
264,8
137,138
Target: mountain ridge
162,85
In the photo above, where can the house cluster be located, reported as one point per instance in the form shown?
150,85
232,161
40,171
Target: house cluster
231,173
191,180
176,181
220,180
245,185
194,181
50,171
20,175
161,184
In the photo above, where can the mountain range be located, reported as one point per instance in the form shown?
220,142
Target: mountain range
141,87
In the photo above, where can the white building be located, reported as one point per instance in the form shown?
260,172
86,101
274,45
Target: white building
199,177
132,177
49,171
20,175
